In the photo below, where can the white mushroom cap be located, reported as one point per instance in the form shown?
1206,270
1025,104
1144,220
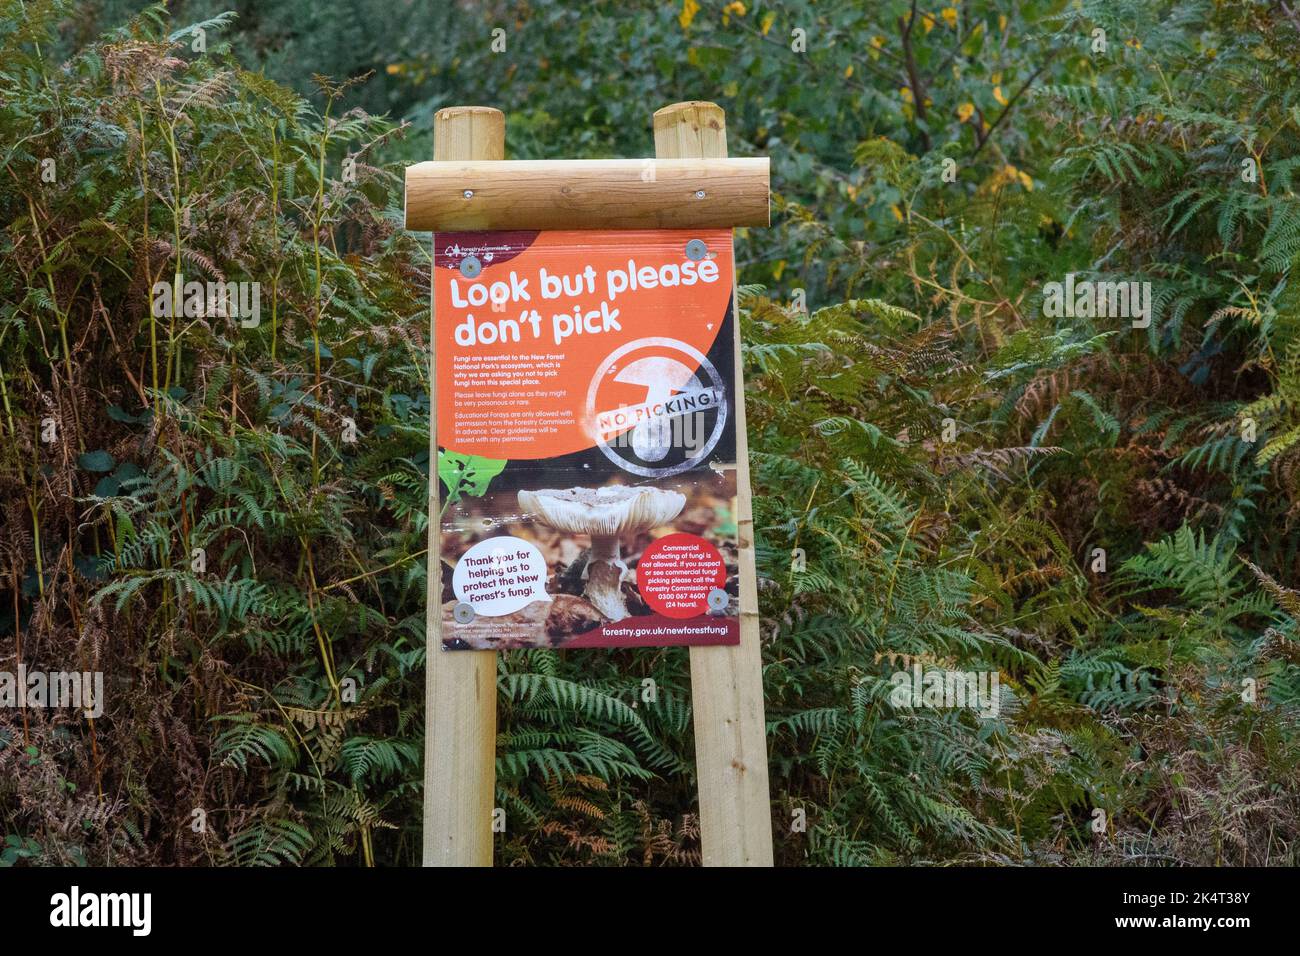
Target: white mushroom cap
613,509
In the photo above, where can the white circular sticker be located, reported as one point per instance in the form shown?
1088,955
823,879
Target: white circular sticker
500,576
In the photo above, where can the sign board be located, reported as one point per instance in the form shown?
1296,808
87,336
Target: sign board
586,433
553,453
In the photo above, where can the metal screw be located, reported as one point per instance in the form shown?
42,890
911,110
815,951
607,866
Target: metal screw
699,194
469,194
696,250
718,600
470,267
463,613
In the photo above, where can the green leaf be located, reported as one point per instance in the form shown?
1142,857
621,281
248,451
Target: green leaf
97,461
467,474
119,414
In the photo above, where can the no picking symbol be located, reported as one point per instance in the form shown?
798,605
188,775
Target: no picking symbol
661,375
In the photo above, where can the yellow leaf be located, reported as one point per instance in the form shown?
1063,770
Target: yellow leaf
1002,22
877,41
965,111
778,269
927,21
394,68
949,15
1010,174
997,95
897,212
766,24
689,9
848,71
906,93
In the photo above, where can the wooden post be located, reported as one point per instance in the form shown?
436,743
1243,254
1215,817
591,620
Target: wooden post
460,689
727,682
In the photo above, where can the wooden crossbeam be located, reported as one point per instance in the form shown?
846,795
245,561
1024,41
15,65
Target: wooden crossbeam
688,193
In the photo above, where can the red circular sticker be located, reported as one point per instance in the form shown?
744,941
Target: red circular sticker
676,574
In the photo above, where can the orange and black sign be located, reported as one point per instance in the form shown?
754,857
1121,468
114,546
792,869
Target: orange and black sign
586,435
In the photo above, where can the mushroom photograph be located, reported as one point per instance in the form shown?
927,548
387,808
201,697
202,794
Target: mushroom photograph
592,539
604,515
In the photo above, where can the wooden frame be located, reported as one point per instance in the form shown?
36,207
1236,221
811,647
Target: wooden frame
471,187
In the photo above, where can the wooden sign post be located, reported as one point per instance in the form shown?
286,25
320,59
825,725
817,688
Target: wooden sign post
727,682
471,188
460,690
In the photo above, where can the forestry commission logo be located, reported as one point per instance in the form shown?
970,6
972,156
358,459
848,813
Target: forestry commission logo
657,407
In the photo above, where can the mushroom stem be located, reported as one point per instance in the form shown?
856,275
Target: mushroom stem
605,570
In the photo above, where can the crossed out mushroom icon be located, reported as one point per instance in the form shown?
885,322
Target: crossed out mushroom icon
605,514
